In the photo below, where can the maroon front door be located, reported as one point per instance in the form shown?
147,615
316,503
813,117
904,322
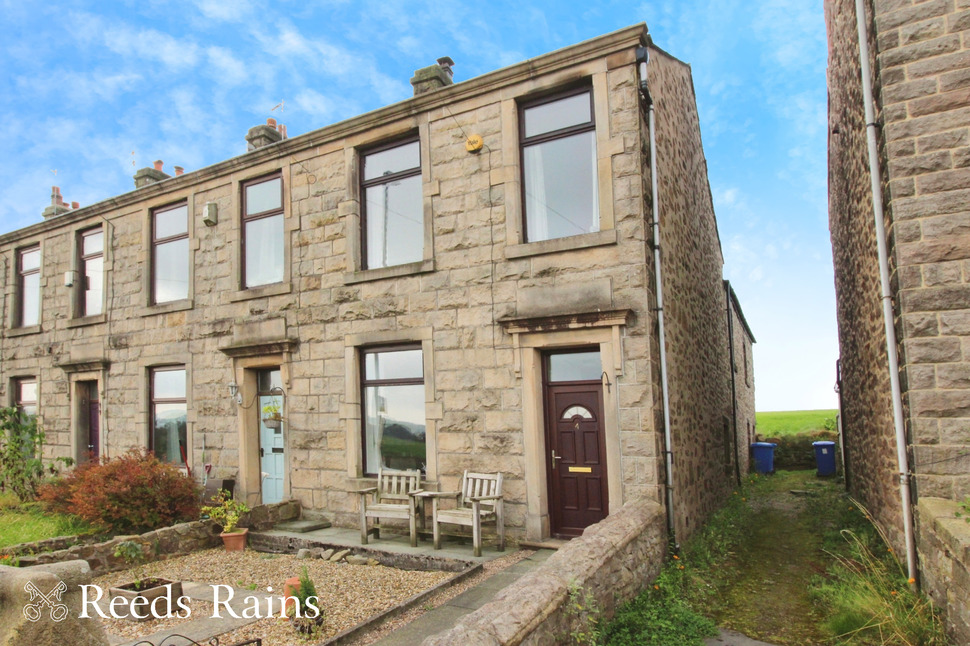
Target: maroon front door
91,411
576,456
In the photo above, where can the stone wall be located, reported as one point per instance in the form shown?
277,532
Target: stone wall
697,343
742,342
921,62
944,553
176,540
613,561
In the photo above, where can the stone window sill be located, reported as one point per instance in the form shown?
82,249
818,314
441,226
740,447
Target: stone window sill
582,241
87,320
261,292
409,269
167,308
23,331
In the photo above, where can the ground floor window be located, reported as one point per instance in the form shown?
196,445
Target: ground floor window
394,426
26,396
168,410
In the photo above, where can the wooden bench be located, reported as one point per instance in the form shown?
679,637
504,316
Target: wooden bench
480,500
395,496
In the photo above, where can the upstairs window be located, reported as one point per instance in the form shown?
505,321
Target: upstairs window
25,395
170,254
394,424
262,232
167,437
393,218
558,136
28,287
91,270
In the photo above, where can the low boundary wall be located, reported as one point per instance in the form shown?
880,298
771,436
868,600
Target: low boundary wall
944,555
166,542
613,561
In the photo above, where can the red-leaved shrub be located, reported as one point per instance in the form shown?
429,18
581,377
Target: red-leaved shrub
132,493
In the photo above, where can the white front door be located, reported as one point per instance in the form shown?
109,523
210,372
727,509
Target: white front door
271,461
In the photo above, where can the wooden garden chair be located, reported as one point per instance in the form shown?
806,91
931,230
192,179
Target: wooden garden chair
395,496
480,500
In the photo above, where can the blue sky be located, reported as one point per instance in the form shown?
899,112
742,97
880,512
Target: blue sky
95,90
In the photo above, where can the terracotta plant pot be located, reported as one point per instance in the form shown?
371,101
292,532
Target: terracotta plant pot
154,597
290,588
235,541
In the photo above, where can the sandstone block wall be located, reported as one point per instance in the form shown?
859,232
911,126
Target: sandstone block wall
920,54
742,374
697,343
867,423
944,553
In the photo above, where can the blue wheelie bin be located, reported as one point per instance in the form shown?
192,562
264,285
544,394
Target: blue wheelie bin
824,458
764,456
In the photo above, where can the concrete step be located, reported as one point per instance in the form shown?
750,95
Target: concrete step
303,526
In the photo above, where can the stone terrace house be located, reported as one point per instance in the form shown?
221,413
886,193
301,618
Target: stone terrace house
919,56
462,280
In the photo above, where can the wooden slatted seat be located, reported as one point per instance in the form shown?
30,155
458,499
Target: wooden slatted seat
395,496
479,501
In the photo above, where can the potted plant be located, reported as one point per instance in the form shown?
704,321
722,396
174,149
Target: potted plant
145,597
272,415
226,512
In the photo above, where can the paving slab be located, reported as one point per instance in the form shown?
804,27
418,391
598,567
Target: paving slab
731,638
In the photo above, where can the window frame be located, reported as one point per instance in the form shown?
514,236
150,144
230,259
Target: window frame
80,298
385,179
18,400
21,286
155,243
366,383
152,401
245,218
562,133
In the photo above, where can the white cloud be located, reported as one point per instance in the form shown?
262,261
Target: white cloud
225,10
314,104
229,70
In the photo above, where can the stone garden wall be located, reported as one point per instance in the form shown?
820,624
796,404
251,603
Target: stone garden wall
613,561
944,553
163,543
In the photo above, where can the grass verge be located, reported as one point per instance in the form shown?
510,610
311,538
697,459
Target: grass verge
794,422
28,522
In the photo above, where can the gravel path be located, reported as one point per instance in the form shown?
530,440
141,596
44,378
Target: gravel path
349,594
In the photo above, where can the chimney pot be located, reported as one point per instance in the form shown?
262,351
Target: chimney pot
179,170
75,205
55,190
271,122
158,164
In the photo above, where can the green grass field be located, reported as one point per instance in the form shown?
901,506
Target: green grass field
28,523
793,422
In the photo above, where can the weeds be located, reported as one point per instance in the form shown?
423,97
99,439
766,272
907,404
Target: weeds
583,614
964,509
868,598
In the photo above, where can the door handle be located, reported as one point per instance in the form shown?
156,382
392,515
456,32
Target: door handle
554,458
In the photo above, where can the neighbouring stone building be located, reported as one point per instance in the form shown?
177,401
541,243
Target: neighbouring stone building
919,54
462,280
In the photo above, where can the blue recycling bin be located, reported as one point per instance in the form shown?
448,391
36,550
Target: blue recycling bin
764,456
825,458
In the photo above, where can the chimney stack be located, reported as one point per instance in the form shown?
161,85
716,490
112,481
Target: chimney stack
58,205
179,170
431,78
146,176
263,135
